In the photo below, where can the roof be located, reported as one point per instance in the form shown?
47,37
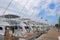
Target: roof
10,16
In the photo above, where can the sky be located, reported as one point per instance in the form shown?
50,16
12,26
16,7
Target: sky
38,10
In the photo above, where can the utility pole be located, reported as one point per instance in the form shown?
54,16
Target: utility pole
59,21
59,24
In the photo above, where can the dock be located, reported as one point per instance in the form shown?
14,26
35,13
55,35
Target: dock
52,34
1,37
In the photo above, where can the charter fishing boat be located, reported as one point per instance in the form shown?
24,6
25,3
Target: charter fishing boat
22,27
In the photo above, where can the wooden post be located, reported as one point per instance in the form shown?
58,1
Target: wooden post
8,35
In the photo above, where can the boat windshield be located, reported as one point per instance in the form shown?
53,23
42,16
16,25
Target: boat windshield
13,27
1,28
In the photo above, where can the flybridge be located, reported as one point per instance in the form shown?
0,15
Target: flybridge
10,16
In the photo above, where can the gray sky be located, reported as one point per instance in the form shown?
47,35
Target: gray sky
34,9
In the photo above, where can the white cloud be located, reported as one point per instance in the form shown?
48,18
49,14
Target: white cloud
21,2
51,12
4,3
28,8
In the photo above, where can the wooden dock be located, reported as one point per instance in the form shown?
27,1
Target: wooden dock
1,37
50,35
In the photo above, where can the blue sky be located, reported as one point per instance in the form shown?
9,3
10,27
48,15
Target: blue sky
33,9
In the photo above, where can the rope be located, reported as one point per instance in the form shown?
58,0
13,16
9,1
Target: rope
25,5
7,7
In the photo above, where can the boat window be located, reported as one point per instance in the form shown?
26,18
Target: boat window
1,28
41,27
26,27
15,27
20,27
38,27
12,28
7,27
33,26
24,22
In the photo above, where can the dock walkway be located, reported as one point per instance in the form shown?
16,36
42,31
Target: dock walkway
1,37
50,35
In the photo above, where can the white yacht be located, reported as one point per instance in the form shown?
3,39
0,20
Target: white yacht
21,26
10,20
